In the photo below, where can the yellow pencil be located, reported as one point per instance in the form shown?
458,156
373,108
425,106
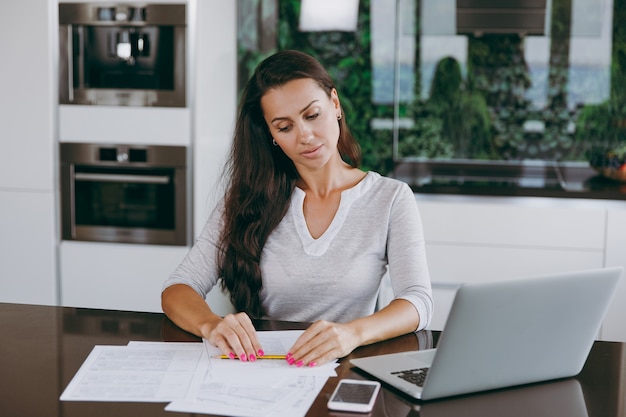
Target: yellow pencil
258,357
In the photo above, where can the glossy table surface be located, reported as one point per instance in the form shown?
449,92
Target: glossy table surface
43,347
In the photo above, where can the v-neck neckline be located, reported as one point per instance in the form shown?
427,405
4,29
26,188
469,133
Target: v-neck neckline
318,246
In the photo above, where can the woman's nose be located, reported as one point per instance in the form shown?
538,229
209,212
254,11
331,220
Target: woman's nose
305,134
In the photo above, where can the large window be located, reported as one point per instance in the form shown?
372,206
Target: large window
463,83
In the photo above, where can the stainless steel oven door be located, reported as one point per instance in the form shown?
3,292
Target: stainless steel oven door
123,201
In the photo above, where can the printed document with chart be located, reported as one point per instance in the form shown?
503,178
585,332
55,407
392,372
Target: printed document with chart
137,372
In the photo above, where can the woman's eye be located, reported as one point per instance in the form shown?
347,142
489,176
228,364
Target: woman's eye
283,129
313,116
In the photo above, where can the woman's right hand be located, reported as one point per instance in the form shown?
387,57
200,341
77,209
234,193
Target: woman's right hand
235,336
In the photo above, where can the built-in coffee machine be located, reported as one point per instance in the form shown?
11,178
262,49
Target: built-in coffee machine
122,54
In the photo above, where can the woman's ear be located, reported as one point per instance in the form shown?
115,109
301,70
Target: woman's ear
334,97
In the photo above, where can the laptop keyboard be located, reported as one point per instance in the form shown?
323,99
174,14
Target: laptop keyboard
414,376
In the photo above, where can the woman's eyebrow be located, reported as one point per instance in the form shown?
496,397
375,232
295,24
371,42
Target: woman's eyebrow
301,111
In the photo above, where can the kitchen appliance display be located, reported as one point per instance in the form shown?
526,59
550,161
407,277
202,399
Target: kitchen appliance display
124,193
123,55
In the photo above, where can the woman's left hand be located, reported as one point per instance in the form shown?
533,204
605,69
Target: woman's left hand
323,342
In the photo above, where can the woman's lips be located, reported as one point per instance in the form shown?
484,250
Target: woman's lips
310,153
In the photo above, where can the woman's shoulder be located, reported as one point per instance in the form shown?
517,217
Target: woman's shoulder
380,190
382,182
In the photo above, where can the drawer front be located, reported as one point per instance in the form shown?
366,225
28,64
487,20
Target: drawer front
510,225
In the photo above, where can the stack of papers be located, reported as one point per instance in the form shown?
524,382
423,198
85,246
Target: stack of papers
192,378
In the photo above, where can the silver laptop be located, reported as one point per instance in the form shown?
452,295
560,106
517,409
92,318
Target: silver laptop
506,333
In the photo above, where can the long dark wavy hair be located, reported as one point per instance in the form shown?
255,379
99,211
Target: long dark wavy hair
262,178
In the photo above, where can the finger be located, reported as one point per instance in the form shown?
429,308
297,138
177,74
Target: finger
319,355
224,337
255,346
237,336
225,348
243,341
315,346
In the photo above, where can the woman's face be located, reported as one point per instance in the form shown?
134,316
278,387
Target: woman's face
302,119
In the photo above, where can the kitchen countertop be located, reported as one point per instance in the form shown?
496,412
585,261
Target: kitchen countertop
524,179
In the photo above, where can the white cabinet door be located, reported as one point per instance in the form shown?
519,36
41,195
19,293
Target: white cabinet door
122,276
478,241
484,263
614,326
216,76
116,276
27,175
517,222
26,102
27,241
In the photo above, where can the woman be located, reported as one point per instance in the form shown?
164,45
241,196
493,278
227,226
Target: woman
302,234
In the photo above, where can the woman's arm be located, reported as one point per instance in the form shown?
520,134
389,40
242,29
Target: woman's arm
397,318
183,299
325,341
185,307
406,254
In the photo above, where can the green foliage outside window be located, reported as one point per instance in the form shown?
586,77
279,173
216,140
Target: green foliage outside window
485,114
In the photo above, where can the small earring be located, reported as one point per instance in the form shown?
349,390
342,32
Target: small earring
339,116
274,142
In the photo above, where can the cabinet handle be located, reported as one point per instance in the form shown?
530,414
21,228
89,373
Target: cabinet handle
144,179
70,64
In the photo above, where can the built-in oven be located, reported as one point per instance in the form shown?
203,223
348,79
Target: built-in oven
122,54
124,193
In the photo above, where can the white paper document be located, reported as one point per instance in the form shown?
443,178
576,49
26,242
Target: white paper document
143,373
193,379
289,396
263,388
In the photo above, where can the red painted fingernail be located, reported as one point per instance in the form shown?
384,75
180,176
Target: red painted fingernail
252,358
261,353
289,355
299,363
243,357
312,364
232,355
291,360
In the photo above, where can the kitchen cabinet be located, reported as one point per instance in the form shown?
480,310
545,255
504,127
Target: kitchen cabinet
27,247
125,125
126,277
215,104
116,276
478,239
215,101
27,161
614,327
120,276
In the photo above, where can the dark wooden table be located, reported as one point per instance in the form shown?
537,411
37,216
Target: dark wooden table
43,347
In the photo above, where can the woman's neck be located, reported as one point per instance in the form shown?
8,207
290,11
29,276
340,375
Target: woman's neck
328,180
